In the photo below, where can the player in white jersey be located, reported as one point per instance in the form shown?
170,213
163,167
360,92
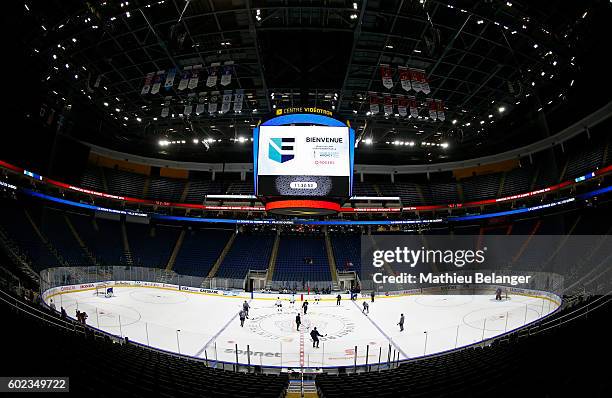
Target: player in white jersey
292,300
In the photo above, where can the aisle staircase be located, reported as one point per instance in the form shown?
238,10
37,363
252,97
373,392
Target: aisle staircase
175,251
127,253
302,389
82,245
331,260
272,262
45,241
217,264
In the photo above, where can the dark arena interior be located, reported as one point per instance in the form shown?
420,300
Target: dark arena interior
307,198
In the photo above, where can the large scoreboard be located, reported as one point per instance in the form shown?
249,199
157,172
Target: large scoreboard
303,155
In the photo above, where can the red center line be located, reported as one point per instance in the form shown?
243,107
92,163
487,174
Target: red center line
302,349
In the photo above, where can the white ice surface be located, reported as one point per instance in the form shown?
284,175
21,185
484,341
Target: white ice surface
207,326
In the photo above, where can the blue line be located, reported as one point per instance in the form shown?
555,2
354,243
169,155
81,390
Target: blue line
217,335
382,332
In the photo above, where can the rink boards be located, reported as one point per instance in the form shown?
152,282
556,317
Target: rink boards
204,323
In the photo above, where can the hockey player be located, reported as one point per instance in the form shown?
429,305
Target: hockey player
317,298
242,315
298,321
314,334
279,305
245,308
305,306
401,323
498,294
366,307
338,298
292,300
372,295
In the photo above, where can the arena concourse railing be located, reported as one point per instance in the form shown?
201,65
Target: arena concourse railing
58,284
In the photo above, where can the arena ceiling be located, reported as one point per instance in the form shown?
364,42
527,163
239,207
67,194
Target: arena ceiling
502,70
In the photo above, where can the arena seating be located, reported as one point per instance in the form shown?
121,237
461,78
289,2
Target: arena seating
14,221
584,161
408,193
165,189
517,181
102,238
92,178
198,189
99,367
240,188
240,259
55,228
125,183
200,250
412,191
151,250
291,262
347,249
364,189
509,367
444,193
480,187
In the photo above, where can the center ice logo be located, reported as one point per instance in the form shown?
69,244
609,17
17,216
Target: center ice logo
281,150
281,326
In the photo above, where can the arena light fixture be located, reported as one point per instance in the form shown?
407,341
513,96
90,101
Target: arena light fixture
501,109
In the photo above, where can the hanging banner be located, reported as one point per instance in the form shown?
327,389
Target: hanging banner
166,109
157,81
401,106
388,104
185,77
415,81
195,77
189,105
212,102
374,103
387,76
147,85
213,71
431,105
170,79
228,70
238,99
200,106
414,110
227,101
440,110
97,83
404,74
424,83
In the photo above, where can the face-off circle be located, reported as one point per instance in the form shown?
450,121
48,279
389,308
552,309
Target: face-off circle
280,326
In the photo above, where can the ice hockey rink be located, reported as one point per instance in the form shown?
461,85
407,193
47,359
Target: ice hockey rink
207,325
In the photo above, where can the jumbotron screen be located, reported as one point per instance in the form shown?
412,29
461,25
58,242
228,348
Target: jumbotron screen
313,161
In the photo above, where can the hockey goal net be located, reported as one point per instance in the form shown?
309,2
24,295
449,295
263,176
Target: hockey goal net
502,295
104,290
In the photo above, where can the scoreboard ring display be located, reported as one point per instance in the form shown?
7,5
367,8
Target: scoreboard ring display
303,156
